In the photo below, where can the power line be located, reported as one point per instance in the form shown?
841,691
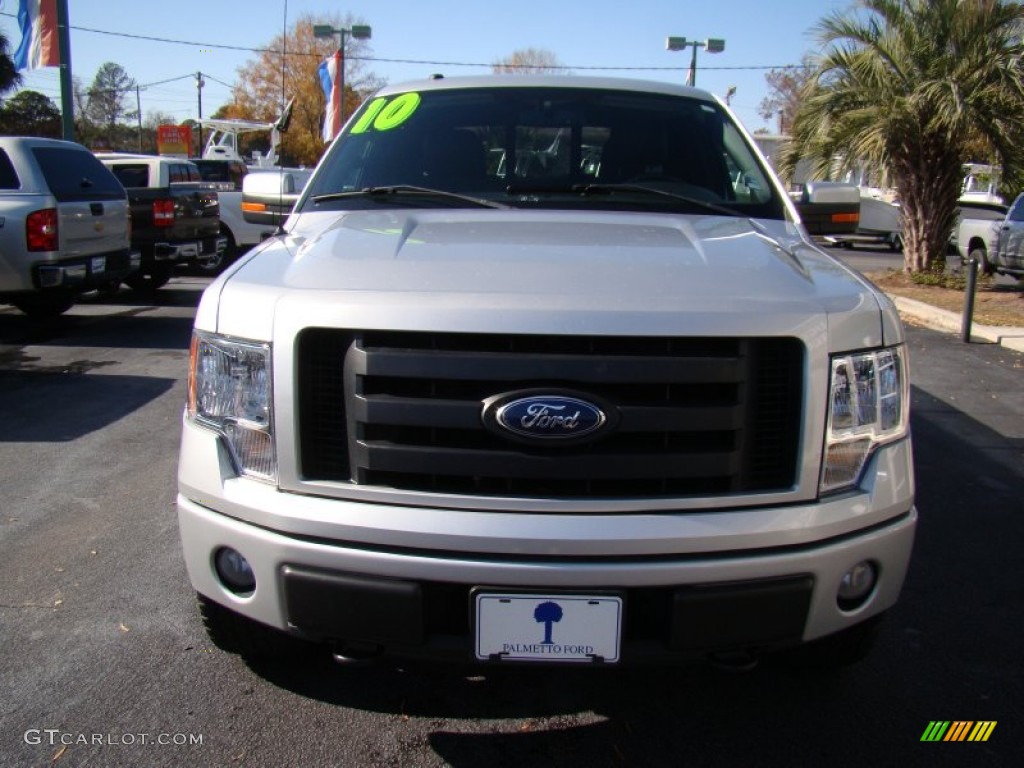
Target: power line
225,47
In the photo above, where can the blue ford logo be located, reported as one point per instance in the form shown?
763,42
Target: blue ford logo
540,416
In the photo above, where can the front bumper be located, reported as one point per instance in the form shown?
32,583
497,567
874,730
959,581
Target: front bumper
399,579
418,604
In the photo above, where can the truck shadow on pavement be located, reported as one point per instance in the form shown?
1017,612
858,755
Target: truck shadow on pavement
132,328
68,376
75,402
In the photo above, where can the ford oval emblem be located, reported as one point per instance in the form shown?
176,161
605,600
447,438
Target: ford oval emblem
538,416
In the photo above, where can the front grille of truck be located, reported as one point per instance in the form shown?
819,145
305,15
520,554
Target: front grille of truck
696,416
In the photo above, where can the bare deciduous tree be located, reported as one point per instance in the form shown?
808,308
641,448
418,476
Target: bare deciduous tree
530,61
286,69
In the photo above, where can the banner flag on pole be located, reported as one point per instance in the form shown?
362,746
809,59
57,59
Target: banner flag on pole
329,72
39,42
691,75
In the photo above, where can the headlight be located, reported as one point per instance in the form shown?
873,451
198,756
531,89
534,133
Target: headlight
229,390
868,404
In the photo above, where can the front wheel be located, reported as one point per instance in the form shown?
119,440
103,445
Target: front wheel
216,265
145,282
979,254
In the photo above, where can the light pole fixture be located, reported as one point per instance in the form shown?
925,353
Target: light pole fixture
356,32
199,94
712,44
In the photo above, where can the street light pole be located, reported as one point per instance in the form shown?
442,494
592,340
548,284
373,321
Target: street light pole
199,92
358,32
712,45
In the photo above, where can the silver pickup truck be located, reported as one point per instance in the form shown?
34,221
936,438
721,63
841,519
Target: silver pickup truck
546,370
993,236
64,225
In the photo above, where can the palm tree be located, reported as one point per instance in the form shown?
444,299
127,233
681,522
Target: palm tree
9,77
908,86
547,614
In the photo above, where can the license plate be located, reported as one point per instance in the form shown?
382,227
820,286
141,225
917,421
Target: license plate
552,628
99,264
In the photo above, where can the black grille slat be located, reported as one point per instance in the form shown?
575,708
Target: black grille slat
415,412
513,367
648,419
418,412
440,461
696,416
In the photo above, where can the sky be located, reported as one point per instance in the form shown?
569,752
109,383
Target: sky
161,45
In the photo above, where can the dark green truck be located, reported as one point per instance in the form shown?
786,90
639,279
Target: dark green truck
175,215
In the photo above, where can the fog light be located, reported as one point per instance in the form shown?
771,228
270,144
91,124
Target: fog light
234,571
857,584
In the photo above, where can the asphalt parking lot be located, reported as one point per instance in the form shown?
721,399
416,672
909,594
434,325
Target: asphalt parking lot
106,662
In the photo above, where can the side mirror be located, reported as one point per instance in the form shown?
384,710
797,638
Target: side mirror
268,196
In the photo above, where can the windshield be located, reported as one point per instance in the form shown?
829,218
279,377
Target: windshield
545,147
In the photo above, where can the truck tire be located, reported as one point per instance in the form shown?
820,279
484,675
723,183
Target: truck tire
147,282
251,640
49,304
978,253
216,265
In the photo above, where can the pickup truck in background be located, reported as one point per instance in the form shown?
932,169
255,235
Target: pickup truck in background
268,196
175,214
228,176
64,225
828,208
992,235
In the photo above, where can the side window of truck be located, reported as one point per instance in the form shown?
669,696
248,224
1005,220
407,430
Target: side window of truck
8,176
1017,211
77,174
135,175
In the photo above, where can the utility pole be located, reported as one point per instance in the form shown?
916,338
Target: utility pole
138,115
199,91
67,98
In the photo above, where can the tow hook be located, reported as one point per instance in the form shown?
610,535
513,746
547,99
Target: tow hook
734,661
351,654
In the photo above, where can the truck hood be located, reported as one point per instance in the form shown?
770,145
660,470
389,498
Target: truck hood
528,271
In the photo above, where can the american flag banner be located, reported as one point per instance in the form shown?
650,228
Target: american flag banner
39,40
330,72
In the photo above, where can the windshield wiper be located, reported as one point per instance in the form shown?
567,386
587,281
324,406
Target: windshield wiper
381,193
610,189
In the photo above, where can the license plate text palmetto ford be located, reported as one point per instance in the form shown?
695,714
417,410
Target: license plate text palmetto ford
552,628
